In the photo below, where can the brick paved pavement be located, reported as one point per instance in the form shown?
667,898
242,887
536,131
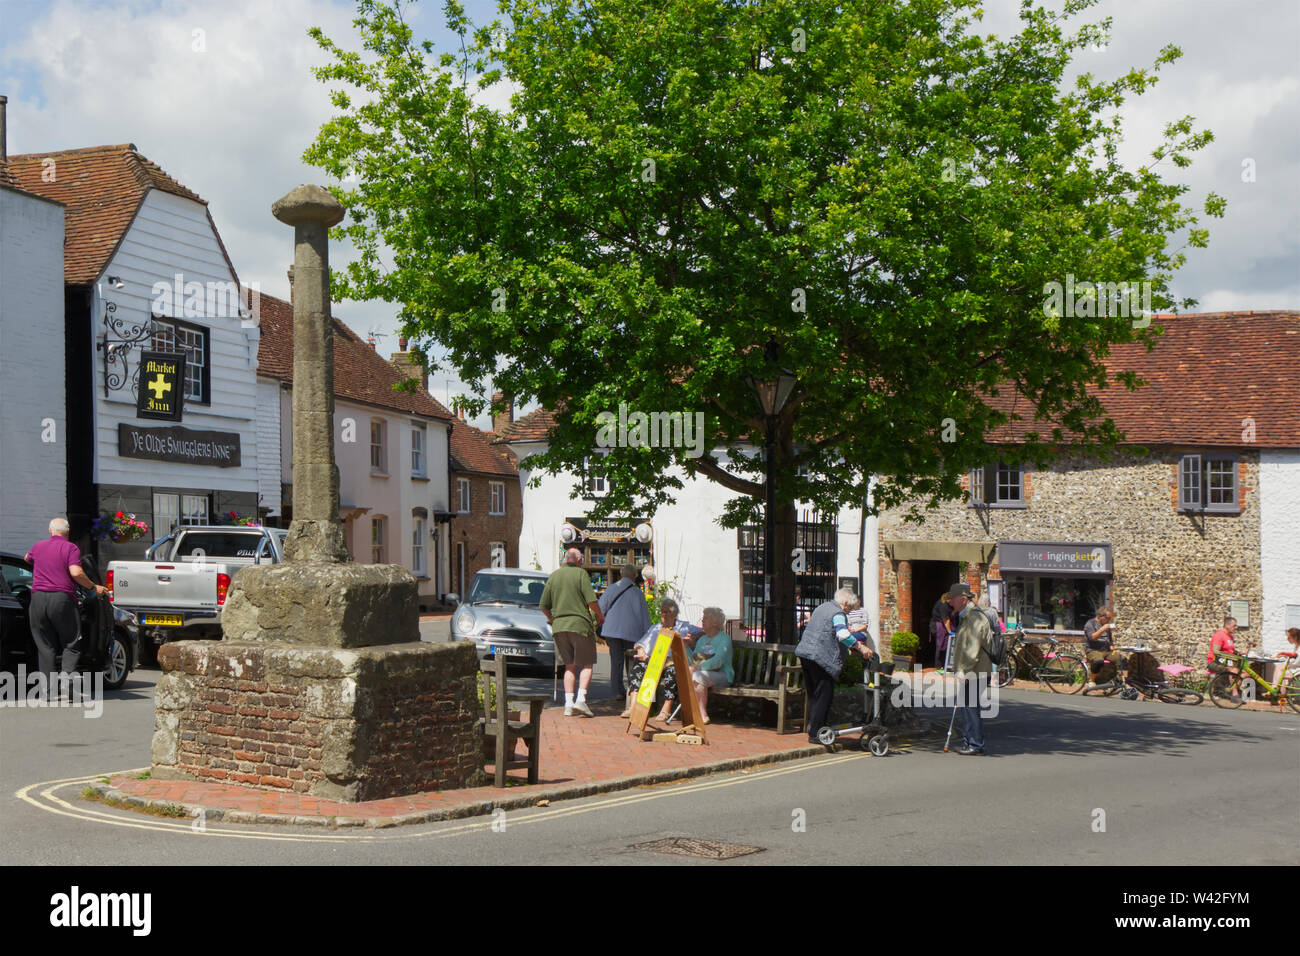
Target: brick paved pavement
580,756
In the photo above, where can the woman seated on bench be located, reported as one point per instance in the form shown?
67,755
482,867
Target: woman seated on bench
643,649
711,658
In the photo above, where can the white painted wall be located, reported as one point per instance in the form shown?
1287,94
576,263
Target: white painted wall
690,548
396,495
171,235
268,444
1279,493
33,471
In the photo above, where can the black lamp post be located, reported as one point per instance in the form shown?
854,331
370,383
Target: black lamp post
772,396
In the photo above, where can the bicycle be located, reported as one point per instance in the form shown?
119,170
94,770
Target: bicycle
1131,688
1062,673
1232,689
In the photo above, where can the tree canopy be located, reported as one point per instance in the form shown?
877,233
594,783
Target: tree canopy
687,195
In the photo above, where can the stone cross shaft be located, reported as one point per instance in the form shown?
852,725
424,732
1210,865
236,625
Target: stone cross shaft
315,533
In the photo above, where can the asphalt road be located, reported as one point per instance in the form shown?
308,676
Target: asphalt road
1170,781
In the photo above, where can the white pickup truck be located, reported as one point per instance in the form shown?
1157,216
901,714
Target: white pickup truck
178,592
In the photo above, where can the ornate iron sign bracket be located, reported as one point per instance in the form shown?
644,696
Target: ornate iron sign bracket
119,338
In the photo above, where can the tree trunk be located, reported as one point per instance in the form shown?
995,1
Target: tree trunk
783,579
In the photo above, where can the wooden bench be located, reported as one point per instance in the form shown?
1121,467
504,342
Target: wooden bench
498,728
766,672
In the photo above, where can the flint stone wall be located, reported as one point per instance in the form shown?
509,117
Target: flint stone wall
341,724
1174,573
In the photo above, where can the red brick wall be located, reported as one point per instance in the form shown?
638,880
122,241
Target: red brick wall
478,528
249,714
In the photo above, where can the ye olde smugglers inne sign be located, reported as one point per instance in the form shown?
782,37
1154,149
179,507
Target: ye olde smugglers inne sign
184,445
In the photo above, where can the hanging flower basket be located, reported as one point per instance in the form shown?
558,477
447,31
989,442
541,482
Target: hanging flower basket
118,526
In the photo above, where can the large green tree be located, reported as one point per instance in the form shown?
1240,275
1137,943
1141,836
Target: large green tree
687,195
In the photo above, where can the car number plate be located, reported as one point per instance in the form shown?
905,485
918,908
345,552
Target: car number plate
507,651
163,620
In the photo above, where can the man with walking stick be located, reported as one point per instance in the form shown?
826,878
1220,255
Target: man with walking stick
974,665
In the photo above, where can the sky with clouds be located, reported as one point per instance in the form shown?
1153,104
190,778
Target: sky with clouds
220,94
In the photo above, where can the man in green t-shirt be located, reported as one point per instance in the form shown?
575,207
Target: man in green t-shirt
570,605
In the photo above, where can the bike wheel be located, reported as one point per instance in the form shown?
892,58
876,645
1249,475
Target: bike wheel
1179,695
1007,671
1064,674
1225,691
1293,693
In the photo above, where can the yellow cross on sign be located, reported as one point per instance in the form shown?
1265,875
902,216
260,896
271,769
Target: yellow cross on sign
160,386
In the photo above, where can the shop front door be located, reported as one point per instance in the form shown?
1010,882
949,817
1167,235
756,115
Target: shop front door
930,581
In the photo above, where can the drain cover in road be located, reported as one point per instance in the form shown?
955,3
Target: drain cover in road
689,846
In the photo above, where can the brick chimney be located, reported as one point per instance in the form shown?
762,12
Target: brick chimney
403,363
507,415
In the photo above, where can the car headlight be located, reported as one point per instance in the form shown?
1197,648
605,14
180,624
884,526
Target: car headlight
464,623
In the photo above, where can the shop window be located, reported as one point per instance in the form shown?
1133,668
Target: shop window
1052,603
998,486
194,509
1208,483
166,513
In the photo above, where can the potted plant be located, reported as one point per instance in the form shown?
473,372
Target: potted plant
902,648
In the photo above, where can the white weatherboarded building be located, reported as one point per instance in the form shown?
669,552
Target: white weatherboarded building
145,270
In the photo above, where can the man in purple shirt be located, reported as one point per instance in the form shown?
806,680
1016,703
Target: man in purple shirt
52,616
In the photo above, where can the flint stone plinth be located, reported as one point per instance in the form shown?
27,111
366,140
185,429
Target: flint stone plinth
335,723
330,605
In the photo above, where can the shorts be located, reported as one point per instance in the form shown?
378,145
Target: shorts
576,650
716,678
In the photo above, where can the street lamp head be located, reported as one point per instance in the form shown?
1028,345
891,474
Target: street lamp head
772,395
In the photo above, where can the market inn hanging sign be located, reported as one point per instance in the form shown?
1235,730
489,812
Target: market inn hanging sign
160,392
1047,557
185,446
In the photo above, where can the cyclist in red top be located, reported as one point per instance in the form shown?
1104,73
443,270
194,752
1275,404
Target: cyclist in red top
1221,642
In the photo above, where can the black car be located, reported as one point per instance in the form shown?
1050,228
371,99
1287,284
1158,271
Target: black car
107,641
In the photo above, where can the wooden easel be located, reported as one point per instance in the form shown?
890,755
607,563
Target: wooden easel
693,731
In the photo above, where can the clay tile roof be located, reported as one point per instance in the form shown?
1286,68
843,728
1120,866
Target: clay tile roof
471,451
102,187
534,426
360,373
1209,373
7,178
